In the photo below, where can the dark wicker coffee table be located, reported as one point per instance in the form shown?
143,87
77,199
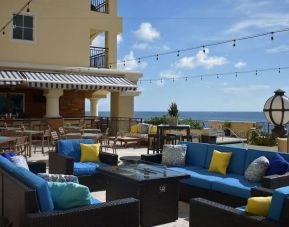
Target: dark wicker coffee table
155,186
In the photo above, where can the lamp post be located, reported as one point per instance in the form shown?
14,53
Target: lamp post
276,110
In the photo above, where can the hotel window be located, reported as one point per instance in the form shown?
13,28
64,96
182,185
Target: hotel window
11,103
23,27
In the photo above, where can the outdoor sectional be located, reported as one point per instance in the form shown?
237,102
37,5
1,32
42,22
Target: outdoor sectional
207,213
231,189
66,160
25,201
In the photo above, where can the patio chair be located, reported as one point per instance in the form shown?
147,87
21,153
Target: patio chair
41,140
109,145
53,140
21,145
61,132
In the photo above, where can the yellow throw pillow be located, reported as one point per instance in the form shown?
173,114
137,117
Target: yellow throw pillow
134,129
89,152
154,129
259,206
220,162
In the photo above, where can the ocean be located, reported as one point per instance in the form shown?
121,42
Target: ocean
202,116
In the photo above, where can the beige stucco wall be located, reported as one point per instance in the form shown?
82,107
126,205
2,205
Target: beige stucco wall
63,31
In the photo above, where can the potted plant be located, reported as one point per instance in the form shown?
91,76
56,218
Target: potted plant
173,114
227,127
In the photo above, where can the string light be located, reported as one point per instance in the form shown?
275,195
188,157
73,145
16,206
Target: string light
157,57
236,74
138,60
28,10
203,46
178,55
123,63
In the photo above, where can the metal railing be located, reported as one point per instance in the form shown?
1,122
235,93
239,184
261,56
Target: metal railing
100,6
98,57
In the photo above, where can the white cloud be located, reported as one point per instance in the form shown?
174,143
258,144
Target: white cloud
170,74
240,64
131,63
140,46
147,32
247,89
275,50
201,60
261,21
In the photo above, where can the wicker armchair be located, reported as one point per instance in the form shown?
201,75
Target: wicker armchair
20,206
62,164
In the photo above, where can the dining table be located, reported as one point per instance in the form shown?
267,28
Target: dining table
5,139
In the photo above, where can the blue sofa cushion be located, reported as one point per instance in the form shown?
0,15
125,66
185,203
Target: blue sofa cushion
71,147
86,168
277,203
278,165
196,153
237,159
37,183
233,184
201,178
7,165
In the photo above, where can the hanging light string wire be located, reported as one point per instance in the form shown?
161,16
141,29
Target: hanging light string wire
218,75
178,51
19,12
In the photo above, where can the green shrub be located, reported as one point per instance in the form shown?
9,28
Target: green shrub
157,120
193,123
262,139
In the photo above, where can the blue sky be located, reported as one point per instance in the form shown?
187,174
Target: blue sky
151,27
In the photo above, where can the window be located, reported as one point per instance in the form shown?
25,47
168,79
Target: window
23,27
11,103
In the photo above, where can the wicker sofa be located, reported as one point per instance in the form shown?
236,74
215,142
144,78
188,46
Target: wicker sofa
66,160
207,213
25,202
231,189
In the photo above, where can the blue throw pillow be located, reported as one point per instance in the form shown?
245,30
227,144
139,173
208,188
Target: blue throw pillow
8,154
278,165
69,195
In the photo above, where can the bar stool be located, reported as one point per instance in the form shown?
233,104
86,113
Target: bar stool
153,143
171,139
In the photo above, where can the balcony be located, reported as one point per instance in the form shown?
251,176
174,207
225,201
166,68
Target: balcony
100,6
98,57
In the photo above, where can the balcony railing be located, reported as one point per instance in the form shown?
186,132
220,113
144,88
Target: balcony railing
100,6
98,57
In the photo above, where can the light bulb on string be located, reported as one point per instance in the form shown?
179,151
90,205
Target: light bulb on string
173,79
186,78
256,72
28,10
236,74
123,63
279,70
204,50
157,57
272,36
217,76
3,32
178,55
234,43
138,60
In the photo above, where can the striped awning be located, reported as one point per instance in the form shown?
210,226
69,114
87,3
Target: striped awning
68,81
10,77
77,81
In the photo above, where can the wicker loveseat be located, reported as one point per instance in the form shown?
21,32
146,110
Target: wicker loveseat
66,160
207,213
231,189
26,202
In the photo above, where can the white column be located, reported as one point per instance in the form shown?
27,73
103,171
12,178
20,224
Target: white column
52,102
94,107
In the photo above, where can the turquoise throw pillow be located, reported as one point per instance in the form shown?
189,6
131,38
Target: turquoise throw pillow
69,195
